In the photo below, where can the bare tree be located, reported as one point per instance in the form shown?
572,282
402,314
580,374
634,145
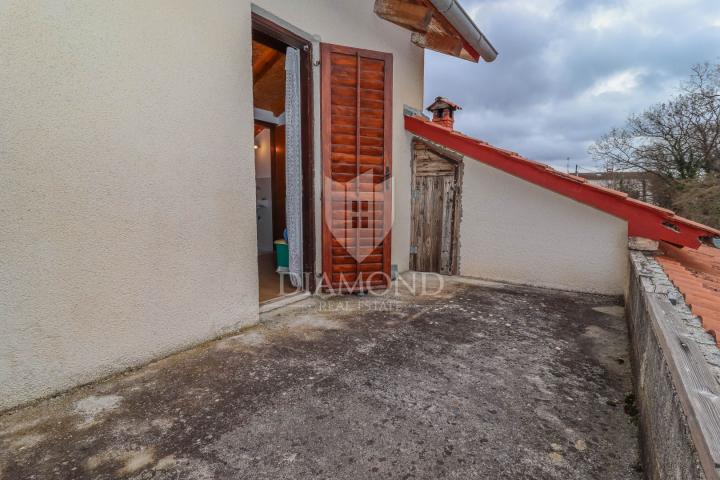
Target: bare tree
677,141
703,93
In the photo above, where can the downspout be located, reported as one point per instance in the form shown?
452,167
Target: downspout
462,22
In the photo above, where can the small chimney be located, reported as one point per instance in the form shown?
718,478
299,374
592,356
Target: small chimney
443,111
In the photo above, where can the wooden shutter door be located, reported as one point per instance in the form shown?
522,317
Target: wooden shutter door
356,100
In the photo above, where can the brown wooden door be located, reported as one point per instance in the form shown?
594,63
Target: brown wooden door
356,100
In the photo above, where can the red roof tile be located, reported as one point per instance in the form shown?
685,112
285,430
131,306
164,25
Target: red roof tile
644,220
696,273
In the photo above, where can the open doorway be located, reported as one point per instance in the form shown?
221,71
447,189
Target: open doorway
281,69
270,205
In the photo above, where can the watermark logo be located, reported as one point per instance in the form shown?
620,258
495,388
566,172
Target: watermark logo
355,211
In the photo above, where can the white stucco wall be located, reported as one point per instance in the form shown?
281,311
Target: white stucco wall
127,193
515,231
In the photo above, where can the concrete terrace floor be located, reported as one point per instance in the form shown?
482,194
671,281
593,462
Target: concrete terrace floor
481,381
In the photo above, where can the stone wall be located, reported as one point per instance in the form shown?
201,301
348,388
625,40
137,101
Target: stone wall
669,436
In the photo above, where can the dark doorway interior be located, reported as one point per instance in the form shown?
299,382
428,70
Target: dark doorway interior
270,209
269,46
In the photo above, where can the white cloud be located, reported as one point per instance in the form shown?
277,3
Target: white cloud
540,8
649,17
606,18
622,82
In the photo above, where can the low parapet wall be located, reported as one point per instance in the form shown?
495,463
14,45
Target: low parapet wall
676,387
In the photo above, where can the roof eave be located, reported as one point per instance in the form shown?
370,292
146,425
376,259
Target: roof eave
439,25
465,26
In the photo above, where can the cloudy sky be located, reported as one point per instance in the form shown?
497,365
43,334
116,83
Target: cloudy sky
569,70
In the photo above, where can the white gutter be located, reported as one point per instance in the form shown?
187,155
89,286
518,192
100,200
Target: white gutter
465,26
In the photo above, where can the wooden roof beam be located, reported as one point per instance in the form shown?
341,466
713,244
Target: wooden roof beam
265,63
439,42
415,17
444,38
440,25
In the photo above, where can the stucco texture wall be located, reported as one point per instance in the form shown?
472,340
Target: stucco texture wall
127,185
128,199
515,231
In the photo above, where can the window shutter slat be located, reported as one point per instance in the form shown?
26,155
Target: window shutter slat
356,100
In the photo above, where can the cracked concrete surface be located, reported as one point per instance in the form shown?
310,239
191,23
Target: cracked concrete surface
481,381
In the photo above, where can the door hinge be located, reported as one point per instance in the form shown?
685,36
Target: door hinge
413,249
414,194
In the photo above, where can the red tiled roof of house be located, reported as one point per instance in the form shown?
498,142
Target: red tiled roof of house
696,273
644,220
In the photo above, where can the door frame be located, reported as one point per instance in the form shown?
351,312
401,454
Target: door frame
273,34
456,160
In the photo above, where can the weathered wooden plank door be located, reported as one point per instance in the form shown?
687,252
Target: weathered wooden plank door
356,100
448,221
432,225
434,213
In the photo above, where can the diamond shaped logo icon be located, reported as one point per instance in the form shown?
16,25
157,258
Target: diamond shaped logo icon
354,212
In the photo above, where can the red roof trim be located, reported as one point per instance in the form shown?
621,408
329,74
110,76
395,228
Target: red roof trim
644,220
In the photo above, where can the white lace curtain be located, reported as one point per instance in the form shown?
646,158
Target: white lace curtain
293,166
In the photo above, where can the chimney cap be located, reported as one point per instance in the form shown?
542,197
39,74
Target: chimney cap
442,103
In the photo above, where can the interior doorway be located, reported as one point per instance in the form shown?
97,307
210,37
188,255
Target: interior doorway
282,104
436,202
274,281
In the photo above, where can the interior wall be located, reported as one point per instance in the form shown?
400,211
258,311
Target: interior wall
512,230
263,191
279,185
